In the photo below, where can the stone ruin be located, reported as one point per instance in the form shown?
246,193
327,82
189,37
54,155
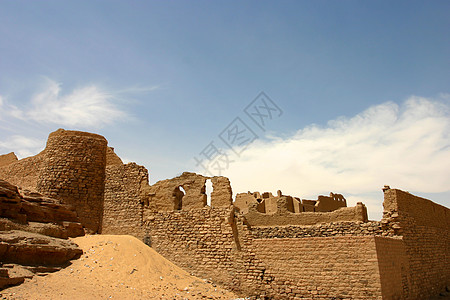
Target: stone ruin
260,245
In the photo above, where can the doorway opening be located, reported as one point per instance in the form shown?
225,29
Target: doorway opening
178,195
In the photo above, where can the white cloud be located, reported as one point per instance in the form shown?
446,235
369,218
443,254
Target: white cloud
85,107
22,146
406,147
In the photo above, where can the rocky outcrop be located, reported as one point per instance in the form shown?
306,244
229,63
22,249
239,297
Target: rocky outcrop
33,212
8,278
28,248
33,234
24,254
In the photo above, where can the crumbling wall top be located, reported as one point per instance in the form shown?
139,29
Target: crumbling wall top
7,159
112,158
285,215
188,191
62,132
183,192
73,170
266,202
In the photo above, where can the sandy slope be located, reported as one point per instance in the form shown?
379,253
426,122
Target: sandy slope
117,267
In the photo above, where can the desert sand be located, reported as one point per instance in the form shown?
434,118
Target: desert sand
117,267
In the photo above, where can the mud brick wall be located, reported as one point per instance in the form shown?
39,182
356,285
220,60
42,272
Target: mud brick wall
23,173
425,227
7,159
321,268
221,196
123,199
283,216
215,243
393,267
199,240
73,170
375,228
112,158
203,241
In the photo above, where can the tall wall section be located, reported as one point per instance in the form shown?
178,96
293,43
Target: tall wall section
125,187
425,227
73,170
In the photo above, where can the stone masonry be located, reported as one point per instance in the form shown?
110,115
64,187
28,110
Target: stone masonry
74,171
261,245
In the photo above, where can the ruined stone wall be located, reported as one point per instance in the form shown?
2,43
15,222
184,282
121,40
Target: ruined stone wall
283,216
124,199
23,173
7,159
221,196
215,243
321,268
244,200
267,203
165,195
73,170
331,203
424,226
276,246
112,158
200,241
393,268
348,228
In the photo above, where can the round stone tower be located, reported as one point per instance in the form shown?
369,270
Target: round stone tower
74,172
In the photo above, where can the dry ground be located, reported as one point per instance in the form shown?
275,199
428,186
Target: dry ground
117,267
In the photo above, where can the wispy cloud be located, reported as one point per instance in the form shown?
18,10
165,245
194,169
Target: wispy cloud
23,146
87,108
9,110
84,107
406,146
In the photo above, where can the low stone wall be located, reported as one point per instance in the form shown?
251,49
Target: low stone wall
375,228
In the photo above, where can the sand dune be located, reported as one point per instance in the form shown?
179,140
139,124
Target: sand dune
117,267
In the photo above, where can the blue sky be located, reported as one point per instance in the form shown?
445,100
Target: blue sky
363,87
